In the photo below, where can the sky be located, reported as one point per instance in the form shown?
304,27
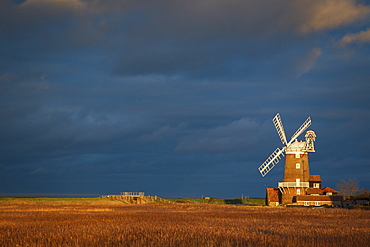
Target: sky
175,98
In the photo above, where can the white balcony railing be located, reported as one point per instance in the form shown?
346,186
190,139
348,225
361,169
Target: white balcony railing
293,184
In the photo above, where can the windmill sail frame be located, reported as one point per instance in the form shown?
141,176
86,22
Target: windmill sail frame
275,157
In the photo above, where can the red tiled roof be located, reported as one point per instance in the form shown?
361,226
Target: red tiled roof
319,198
328,189
311,191
273,194
315,178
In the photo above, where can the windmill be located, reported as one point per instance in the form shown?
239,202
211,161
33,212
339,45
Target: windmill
296,170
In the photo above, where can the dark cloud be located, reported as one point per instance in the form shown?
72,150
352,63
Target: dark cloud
238,135
176,98
173,37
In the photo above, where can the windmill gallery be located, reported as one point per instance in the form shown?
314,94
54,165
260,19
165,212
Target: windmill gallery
299,186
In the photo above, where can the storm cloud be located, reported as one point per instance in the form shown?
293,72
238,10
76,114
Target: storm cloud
175,98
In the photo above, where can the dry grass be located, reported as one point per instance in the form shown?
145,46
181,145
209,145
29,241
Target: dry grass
108,223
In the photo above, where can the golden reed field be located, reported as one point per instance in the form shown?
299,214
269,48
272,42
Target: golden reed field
102,222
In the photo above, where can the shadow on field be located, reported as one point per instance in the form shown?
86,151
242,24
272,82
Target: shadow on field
233,201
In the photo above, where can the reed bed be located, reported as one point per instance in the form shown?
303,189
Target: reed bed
118,224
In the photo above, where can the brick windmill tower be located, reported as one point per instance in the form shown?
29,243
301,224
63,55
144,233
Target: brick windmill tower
297,178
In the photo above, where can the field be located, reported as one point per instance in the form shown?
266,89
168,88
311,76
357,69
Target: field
259,201
99,222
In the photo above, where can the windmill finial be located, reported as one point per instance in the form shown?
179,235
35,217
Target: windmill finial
310,138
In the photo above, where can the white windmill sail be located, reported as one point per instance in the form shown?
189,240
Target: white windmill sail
271,161
279,128
300,130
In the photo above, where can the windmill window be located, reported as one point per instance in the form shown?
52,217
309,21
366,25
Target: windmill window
297,155
298,166
298,191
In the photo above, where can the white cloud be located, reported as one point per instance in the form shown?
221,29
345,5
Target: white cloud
361,37
329,14
308,62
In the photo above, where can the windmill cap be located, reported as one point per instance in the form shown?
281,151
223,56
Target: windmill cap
296,146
